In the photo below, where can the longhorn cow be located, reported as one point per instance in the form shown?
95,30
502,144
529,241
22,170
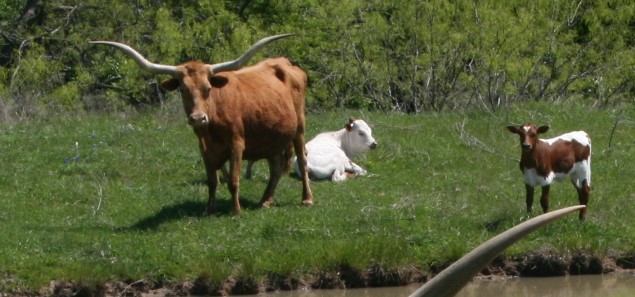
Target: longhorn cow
238,113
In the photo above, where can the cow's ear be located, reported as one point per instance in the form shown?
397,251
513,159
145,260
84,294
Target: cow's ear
170,84
218,81
542,129
350,124
512,129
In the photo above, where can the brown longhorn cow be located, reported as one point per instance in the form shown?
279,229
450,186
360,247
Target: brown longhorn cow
237,113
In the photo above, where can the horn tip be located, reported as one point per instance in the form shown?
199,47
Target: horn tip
99,42
284,35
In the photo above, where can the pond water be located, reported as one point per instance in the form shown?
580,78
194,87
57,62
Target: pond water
613,285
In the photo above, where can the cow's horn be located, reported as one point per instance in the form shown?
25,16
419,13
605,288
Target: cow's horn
145,64
242,60
449,281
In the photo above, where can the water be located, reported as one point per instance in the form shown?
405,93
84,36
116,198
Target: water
613,285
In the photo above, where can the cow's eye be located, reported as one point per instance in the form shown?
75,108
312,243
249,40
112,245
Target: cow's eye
361,133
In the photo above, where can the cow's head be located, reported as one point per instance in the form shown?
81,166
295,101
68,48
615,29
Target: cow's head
528,134
195,79
360,137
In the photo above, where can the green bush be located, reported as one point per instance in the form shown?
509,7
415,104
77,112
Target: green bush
411,56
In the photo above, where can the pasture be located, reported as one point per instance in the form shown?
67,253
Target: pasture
101,198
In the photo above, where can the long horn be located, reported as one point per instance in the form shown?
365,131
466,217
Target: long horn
145,64
452,279
242,60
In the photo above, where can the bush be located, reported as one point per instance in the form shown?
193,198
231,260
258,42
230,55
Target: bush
411,56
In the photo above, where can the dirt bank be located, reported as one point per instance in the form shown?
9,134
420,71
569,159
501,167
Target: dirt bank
539,263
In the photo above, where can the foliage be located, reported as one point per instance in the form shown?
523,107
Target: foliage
97,198
410,56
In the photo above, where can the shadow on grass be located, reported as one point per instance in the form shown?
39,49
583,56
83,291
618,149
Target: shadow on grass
498,223
188,209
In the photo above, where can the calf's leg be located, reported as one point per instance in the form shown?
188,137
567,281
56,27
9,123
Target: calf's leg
355,169
340,174
583,197
544,199
529,197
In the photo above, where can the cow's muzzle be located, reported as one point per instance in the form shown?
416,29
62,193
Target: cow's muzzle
373,145
198,119
526,146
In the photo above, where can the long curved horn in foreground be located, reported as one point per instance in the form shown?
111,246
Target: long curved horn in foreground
452,279
242,60
145,64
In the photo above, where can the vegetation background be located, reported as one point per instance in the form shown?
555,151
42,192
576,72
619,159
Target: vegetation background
409,56
101,179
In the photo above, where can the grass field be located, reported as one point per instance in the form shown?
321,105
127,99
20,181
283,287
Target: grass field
99,198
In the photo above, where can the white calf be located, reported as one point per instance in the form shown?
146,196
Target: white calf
329,154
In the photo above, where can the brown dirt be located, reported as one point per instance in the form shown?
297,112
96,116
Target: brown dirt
538,263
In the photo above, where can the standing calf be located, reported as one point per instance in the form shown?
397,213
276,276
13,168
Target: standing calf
544,160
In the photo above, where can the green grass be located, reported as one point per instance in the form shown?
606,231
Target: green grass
95,198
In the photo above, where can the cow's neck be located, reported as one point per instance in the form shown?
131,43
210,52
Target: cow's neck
345,140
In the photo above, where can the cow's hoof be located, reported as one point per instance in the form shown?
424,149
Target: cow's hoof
307,203
266,204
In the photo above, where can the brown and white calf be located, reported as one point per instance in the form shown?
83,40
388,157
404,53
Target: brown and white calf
544,161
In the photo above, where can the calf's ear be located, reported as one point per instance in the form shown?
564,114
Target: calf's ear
170,84
350,124
512,129
543,129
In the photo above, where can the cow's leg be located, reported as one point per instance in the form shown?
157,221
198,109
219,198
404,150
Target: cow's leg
298,145
234,171
212,183
529,197
544,199
354,168
340,174
225,173
583,197
287,157
249,173
211,173
275,172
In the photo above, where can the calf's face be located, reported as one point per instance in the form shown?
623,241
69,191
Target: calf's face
528,134
360,135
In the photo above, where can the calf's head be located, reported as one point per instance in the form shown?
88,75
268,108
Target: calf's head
194,79
360,137
528,134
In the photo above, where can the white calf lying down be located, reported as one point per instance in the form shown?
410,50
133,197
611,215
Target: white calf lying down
329,154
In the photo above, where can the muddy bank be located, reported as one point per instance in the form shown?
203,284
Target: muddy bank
539,263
